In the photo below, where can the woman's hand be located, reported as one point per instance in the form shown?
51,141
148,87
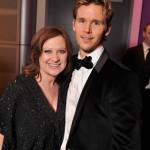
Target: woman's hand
1,140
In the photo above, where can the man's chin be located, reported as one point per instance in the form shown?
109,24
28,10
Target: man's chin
88,49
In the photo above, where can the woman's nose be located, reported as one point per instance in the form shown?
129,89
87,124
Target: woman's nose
55,57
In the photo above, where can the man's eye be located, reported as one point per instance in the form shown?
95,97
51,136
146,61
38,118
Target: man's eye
96,23
81,20
99,23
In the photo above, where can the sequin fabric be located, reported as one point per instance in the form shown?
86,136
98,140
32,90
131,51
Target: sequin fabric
27,121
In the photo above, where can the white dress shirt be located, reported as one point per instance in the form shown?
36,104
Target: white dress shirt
145,48
78,80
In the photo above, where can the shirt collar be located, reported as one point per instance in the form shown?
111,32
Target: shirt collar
95,54
145,47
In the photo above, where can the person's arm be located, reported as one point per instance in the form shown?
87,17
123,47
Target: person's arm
7,103
1,141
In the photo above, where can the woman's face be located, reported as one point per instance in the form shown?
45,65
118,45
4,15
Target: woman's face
53,58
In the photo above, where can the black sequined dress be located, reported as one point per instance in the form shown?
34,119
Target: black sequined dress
27,121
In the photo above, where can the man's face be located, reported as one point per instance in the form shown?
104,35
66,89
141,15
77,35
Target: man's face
146,36
89,27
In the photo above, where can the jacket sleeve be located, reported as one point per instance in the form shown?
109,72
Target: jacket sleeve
7,107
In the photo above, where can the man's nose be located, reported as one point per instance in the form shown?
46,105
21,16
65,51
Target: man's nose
87,27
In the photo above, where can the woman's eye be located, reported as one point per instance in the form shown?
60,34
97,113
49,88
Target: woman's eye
47,51
62,51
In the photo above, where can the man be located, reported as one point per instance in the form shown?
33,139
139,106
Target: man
103,99
138,59
135,57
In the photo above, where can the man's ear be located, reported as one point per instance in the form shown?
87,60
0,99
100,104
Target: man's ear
108,31
73,24
143,34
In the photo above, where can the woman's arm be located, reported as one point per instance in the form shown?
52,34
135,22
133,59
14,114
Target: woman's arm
1,140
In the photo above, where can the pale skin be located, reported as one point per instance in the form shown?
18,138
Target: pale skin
90,27
1,141
146,35
52,62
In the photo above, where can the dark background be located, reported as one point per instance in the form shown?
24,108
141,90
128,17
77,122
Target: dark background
60,14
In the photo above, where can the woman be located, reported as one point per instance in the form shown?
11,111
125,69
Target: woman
31,117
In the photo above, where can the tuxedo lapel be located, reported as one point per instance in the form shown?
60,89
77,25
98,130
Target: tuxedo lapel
102,60
140,54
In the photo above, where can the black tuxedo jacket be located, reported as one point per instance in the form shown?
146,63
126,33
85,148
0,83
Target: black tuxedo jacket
108,112
134,59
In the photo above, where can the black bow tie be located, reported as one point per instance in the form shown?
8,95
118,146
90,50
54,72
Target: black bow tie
86,62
